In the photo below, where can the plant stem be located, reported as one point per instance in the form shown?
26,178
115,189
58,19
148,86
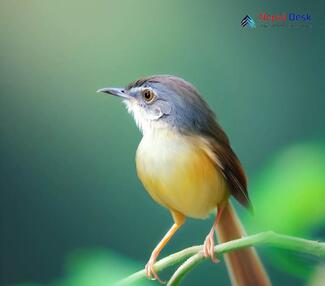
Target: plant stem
194,255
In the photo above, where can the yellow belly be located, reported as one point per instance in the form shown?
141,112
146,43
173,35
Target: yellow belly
178,173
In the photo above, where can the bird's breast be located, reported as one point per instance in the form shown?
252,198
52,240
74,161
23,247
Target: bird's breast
177,172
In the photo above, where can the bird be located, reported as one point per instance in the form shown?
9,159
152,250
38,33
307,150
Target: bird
187,165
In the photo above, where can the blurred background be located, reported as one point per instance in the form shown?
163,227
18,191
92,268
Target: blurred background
73,212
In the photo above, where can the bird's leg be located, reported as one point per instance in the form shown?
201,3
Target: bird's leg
150,272
208,247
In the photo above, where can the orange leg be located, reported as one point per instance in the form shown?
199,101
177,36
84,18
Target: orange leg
150,272
208,248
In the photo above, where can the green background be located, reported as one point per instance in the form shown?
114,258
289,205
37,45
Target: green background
72,209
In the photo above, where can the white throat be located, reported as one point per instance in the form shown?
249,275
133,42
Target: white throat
146,123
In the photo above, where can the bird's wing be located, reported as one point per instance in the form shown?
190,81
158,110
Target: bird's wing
229,165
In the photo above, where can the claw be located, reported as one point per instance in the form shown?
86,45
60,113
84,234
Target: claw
150,271
208,248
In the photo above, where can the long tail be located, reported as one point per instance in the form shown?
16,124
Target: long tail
244,266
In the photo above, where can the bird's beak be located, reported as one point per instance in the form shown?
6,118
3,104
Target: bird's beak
120,92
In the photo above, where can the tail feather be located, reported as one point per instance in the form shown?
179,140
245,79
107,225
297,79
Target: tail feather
244,266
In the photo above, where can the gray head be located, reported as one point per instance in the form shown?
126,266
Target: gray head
165,101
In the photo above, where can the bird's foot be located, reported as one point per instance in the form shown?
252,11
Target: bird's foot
208,247
150,271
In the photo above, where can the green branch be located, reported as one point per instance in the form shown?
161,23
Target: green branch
194,255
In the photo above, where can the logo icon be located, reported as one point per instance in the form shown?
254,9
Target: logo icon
248,21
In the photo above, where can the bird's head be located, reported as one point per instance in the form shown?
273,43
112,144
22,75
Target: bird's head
164,101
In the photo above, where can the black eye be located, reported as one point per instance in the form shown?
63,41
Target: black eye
148,95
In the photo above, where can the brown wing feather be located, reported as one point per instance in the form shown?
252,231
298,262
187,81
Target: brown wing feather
233,172
226,160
